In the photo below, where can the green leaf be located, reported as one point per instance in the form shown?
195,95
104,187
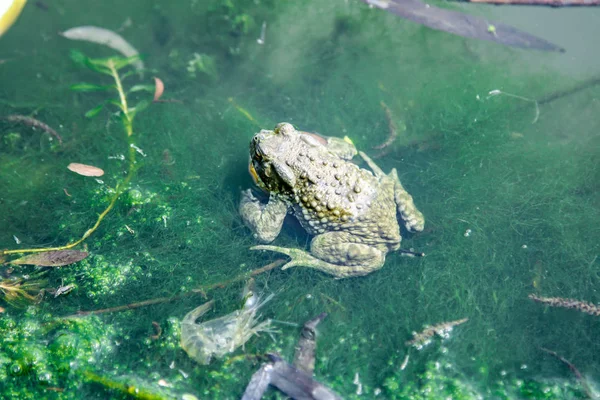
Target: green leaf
138,88
90,87
116,103
94,111
141,106
121,62
95,65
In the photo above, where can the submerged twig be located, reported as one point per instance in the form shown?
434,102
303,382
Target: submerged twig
464,25
157,330
575,89
393,129
582,306
497,92
241,277
584,383
201,290
34,123
423,338
129,389
548,3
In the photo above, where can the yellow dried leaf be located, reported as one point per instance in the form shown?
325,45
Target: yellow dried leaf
52,258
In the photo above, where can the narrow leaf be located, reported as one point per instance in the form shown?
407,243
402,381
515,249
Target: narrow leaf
95,65
52,258
94,111
121,62
142,105
90,87
139,88
116,103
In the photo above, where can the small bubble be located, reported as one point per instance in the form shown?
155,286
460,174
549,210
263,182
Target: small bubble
16,369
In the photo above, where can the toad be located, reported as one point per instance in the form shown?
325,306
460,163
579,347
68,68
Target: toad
351,212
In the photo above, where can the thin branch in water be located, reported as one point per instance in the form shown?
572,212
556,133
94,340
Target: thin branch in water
159,300
465,25
582,306
575,89
33,123
584,383
393,129
547,3
497,92
423,338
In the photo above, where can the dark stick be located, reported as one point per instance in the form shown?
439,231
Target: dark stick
34,123
464,25
567,92
580,378
201,290
547,3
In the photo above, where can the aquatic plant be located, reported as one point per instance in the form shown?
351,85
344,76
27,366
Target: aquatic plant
16,289
112,67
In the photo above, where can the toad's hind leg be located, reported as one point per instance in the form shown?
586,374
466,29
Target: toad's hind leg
413,219
334,254
411,216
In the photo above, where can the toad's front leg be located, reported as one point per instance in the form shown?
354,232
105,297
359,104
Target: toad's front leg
335,253
264,220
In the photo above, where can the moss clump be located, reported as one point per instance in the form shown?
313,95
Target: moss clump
40,354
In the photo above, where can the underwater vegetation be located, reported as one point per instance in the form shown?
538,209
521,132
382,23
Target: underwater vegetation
120,187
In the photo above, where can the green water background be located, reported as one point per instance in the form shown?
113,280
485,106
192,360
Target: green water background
527,192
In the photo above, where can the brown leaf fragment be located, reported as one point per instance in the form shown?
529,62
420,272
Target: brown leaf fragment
159,88
52,258
85,170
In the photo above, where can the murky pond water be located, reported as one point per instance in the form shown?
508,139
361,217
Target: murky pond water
498,146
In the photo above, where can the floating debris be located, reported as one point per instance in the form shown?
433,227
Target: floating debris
157,330
582,306
296,380
52,258
393,129
584,383
263,32
9,12
404,362
34,123
443,330
497,92
223,335
159,88
106,37
85,170
464,25
64,290
304,358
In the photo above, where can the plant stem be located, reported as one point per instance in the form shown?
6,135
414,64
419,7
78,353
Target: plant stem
121,186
